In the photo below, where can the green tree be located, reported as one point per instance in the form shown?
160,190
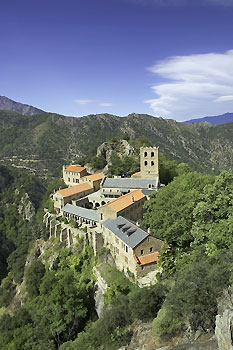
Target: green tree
34,276
213,215
169,212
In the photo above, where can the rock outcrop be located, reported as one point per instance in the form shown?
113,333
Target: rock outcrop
224,321
100,289
121,147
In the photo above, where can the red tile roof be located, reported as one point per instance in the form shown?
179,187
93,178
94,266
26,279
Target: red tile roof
125,201
66,192
75,168
147,259
93,177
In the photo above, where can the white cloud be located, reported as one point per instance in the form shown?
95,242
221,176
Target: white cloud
83,102
224,98
105,104
193,85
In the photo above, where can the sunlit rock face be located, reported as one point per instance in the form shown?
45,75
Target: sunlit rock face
224,321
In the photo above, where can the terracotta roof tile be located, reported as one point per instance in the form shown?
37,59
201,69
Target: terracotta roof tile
125,201
147,259
75,168
66,192
94,177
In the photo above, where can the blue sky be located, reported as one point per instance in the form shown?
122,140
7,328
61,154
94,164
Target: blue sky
169,58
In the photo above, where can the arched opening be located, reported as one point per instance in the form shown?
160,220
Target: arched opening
145,163
145,154
152,154
152,162
103,202
97,205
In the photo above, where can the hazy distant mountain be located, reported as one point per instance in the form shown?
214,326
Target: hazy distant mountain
215,120
10,105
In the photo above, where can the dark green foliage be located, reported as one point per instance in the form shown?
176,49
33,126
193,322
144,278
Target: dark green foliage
141,141
169,213
125,166
126,136
168,169
194,214
34,276
213,216
145,303
59,303
98,162
7,290
18,190
193,296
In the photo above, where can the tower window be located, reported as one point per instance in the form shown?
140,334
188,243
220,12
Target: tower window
145,162
152,154
145,154
152,162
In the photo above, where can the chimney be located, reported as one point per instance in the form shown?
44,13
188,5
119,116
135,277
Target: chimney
132,199
148,230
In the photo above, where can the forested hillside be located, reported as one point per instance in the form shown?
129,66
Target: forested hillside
42,143
46,293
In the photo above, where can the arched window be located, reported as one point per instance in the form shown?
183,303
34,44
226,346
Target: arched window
145,163
145,154
152,162
152,154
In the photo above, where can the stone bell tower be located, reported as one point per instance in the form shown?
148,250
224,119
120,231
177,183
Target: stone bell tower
149,162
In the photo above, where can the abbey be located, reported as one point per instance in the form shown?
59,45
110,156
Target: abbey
110,209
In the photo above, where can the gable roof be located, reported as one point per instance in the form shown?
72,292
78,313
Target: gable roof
129,183
132,236
66,192
75,168
125,201
88,214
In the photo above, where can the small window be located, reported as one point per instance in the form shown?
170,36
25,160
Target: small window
151,249
152,154
145,163
145,154
148,239
69,179
126,249
101,216
152,162
142,252
142,267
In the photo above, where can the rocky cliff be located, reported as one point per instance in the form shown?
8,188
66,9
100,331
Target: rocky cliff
224,321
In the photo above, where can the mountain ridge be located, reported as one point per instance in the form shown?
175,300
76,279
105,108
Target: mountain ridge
44,142
10,105
214,120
